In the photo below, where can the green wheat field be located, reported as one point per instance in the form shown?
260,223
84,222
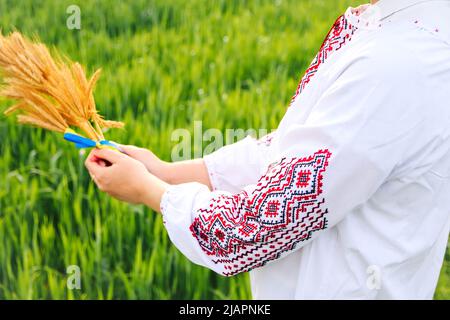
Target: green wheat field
166,64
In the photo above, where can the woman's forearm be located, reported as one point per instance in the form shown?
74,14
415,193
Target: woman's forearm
186,171
171,173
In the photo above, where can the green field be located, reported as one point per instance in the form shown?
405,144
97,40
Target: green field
166,64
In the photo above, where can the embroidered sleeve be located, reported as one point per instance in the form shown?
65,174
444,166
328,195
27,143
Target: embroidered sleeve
246,230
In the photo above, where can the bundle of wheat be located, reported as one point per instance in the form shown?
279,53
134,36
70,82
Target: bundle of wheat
50,92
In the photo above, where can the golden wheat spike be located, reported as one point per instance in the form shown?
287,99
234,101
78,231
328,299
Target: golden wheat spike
30,120
50,92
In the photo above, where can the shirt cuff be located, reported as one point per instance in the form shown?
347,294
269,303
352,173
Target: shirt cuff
178,208
212,171
165,203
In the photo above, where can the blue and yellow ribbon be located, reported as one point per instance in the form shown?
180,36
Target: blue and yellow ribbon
83,142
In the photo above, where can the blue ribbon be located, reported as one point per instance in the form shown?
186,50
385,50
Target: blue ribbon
83,142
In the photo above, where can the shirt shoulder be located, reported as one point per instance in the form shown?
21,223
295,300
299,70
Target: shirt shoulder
413,51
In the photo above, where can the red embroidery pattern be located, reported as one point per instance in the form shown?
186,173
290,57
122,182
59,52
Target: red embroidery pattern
341,32
245,231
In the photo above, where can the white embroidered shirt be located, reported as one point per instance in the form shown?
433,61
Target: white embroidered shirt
350,197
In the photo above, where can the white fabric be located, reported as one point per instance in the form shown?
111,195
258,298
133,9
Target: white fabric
350,198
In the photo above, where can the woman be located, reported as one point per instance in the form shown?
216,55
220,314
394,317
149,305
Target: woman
349,197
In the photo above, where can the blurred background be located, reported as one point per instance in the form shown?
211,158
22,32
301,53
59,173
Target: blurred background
166,64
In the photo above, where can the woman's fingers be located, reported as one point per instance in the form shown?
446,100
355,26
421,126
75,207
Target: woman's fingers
99,159
107,155
127,149
120,147
92,164
103,163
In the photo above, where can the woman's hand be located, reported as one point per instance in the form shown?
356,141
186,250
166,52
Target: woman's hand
154,165
125,178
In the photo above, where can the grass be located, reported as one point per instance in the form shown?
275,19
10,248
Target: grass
166,63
